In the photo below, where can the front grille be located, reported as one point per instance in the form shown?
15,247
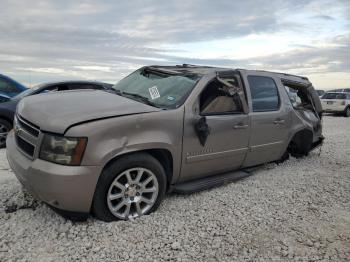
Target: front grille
30,128
25,146
27,136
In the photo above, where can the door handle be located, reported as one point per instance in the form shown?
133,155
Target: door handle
279,122
240,126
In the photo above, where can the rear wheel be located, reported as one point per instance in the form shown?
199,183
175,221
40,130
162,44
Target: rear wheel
5,127
301,144
130,187
347,112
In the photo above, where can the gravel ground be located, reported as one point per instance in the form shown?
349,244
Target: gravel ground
298,210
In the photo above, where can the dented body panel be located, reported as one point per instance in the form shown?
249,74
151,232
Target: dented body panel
126,134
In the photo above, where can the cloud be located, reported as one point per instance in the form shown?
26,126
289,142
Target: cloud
49,70
105,40
106,69
323,17
334,58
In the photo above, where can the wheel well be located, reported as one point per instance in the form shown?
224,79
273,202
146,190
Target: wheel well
165,159
301,143
162,155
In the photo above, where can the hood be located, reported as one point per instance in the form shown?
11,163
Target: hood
55,112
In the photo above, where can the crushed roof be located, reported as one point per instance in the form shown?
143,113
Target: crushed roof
204,70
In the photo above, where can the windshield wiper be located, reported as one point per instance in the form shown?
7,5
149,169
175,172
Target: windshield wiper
137,97
112,90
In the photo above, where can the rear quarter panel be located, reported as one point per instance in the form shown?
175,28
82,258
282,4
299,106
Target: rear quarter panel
297,120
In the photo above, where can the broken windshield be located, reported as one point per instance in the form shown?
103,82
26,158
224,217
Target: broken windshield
162,89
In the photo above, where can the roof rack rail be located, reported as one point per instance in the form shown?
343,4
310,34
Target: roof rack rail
191,65
285,74
302,77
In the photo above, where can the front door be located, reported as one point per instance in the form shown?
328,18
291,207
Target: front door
224,147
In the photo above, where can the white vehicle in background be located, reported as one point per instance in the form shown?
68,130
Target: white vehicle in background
336,102
320,92
341,90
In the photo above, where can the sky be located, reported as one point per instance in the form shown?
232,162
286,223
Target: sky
105,40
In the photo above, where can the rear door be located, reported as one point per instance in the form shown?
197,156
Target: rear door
226,144
269,118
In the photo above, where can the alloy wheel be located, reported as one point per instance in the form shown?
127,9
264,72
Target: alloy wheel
132,193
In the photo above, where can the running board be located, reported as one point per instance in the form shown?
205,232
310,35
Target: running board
209,182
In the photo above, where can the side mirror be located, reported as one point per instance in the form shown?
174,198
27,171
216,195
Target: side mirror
202,130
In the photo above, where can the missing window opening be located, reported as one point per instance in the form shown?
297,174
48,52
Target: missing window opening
299,97
221,96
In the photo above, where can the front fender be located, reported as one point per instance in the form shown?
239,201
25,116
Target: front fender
110,138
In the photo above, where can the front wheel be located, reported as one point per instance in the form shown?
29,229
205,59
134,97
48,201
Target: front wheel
130,187
347,112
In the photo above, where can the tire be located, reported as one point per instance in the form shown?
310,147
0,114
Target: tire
301,144
347,112
122,191
5,127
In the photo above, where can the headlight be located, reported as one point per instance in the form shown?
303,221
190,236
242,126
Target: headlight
63,150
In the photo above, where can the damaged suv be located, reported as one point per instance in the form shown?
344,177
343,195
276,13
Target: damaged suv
115,153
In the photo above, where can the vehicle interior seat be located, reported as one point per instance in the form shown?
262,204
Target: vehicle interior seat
218,98
220,104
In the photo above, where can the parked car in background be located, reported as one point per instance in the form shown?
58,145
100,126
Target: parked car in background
10,87
340,90
4,98
336,102
8,105
164,128
320,92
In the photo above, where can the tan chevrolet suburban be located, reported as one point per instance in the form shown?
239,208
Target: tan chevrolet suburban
162,128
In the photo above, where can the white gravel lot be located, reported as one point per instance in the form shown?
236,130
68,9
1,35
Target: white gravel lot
299,210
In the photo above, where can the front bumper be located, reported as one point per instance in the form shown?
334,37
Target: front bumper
69,188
